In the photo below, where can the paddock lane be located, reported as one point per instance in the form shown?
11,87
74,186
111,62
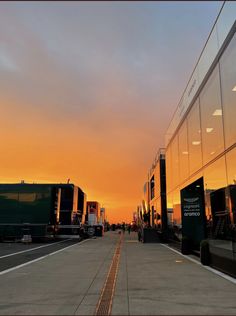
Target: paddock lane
14,254
67,283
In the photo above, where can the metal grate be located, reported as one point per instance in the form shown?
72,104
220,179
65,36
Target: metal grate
105,302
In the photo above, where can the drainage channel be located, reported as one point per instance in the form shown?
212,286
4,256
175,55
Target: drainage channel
105,301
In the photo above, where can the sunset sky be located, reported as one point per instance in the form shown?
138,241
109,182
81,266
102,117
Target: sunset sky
88,89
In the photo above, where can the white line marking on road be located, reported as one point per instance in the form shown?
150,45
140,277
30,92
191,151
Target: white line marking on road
16,253
219,273
40,258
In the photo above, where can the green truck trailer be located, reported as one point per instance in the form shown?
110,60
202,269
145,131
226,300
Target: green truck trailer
37,209
28,209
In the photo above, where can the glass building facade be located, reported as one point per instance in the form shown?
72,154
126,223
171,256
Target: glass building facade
201,139
157,189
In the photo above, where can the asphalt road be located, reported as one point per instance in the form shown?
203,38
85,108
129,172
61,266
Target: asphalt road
13,254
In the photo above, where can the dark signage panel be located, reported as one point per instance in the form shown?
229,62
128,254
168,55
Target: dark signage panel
193,212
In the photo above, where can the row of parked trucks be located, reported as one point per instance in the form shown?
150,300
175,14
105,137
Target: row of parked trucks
47,211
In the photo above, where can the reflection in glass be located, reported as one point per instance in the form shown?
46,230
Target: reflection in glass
157,180
215,175
183,152
220,214
157,215
152,211
176,208
168,169
215,179
231,166
231,176
170,208
228,84
175,161
194,139
232,202
152,187
192,179
211,118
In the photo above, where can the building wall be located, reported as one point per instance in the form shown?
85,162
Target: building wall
155,199
204,144
145,198
212,48
157,203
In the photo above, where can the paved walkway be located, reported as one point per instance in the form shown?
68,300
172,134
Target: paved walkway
151,280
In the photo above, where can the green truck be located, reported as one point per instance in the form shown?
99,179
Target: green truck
38,209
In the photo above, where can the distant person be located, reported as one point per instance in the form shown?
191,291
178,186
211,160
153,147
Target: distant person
129,229
139,233
123,228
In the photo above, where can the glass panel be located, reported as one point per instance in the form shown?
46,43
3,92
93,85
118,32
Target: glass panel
208,55
228,84
231,176
157,214
152,212
152,187
231,166
183,152
168,169
211,118
170,209
175,162
157,179
176,208
177,222
215,175
194,139
217,212
191,180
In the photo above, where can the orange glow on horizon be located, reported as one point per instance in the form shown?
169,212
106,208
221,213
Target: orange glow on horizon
40,150
85,92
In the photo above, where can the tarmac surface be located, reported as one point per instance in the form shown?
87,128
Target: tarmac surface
149,279
13,254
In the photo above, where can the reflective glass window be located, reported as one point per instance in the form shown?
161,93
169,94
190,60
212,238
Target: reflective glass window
176,208
228,84
157,179
183,152
152,187
231,166
194,138
152,212
191,180
168,169
216,201
211,118
175,161
214,180
170,208
231,176
158,213
215,175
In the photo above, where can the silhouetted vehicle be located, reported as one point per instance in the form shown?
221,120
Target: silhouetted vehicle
38,209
